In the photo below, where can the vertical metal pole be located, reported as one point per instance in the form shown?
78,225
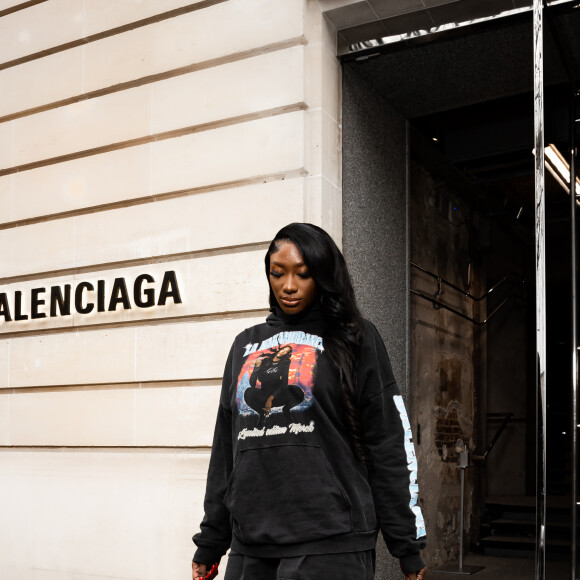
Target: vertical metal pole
540,290
461,520
574,507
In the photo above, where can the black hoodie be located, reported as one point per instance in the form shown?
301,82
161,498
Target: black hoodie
283,480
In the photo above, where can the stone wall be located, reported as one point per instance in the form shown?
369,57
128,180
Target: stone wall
137,138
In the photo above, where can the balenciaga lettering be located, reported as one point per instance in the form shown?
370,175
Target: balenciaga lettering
85,298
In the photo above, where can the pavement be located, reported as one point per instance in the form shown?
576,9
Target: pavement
501,568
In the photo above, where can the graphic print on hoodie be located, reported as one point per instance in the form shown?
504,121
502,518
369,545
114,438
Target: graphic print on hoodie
276,380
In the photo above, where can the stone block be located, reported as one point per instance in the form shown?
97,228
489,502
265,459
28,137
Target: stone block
180,225
176,416
26,249
40,27
82,126
260,83
104,417
41,81
120,513
273,144
99,17
81,183
89,357
190,38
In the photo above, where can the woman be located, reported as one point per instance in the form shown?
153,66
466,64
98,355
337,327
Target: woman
304,497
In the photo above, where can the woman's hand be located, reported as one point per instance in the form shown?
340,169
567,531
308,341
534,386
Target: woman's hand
416,575
198,570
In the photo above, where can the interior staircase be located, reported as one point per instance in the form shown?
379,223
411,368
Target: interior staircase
509,527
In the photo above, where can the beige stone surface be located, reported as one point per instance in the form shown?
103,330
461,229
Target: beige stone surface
86,182
73,358
41,81
273,144
178,225
323,85
4,363
176,416
25,249
6,197
120,514
101,418
6,145
168,415
189,39
4,418
99,17
82,126
259,83
187,350
5,4
269,145
40,27
323,205
323,146
165,227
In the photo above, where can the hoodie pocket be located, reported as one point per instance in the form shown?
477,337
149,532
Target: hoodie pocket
286,494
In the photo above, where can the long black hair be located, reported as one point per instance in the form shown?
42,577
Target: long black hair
343,324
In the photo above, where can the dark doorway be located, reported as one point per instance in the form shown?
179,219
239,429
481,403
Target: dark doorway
466,101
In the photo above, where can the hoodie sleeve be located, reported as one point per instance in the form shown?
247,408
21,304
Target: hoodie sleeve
215,534
392,464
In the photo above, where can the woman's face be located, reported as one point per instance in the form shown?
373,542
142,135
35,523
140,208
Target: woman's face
291,282
284,351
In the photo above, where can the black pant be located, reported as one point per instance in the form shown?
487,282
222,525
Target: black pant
347,566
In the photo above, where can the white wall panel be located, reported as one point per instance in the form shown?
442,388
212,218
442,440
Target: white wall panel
90,181
6,145
100,356
4,363
99,514
4,418
260,83
213,219
207,285
187,349
84,125
152,416
191,38
269,145
41,81
99,16
40,27
173,416
6,197
179,416
25,249
5,4
234,152
77,418
171,226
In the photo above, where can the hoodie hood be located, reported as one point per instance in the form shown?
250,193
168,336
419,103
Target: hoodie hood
278,318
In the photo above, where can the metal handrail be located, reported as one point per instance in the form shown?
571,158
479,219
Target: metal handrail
507,418
438,305
466,294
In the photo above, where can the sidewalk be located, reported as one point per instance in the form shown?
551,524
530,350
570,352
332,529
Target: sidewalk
497,568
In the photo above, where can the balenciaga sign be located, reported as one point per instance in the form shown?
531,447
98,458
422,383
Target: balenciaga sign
86,297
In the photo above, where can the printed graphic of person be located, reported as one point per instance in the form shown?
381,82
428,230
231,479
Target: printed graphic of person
271,371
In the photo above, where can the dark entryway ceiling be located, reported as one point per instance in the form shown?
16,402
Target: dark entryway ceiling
469,96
